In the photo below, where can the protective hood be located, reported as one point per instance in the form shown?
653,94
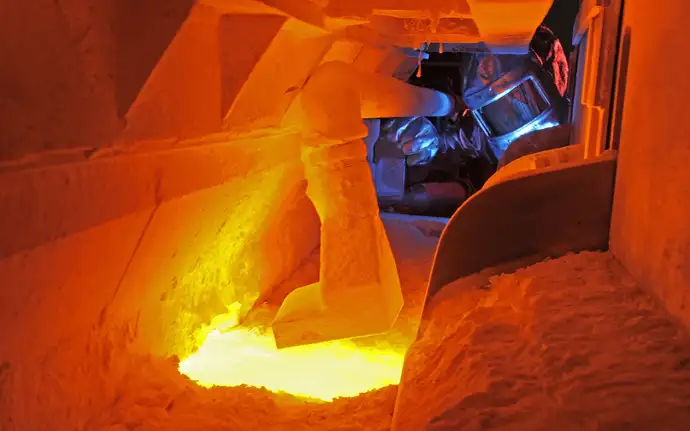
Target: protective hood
509,96
486,75
513,95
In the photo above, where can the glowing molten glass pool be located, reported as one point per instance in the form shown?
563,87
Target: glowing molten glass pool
324,371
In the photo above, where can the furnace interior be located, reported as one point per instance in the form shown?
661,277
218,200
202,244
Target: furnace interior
153,189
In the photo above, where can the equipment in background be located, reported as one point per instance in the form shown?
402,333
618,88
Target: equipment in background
401,142
419,165
434,199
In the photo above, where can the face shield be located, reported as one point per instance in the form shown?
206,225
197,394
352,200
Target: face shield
514,109
509,96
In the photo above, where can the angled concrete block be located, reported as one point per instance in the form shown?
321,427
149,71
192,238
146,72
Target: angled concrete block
182,96
143,31
508,23
278,76
341,50
59,288
244,40
370,58
49,97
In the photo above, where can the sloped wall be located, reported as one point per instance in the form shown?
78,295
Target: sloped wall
650,233
148,181
158,241
130,213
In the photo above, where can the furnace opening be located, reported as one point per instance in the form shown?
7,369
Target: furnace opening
423,169
507,107
239,349
229,215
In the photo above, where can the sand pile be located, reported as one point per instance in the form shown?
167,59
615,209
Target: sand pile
571,343
567,344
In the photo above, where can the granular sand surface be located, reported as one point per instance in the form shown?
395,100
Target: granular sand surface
567,344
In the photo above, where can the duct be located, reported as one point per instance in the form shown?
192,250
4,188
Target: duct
358,292
337,96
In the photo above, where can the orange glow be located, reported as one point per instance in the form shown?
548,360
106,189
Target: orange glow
324,371
358,292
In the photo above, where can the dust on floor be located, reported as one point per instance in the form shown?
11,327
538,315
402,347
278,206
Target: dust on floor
567,344
571,343
150,402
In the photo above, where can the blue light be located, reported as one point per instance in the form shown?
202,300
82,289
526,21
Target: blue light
534,127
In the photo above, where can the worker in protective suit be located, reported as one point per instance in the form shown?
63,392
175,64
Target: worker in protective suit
517,100
511,106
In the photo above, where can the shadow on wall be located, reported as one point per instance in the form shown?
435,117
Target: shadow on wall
69,78
560,20
621,86
138,48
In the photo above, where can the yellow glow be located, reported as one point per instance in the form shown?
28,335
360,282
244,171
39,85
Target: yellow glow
324,371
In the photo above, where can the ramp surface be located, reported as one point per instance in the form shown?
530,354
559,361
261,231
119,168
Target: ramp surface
567,344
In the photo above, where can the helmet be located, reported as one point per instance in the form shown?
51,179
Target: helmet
512,95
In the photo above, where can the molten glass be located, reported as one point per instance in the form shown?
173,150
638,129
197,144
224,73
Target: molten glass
324,371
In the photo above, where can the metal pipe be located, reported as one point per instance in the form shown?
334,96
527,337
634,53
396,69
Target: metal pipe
358,292
337,97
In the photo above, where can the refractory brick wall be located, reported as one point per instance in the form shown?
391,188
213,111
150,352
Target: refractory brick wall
650,233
